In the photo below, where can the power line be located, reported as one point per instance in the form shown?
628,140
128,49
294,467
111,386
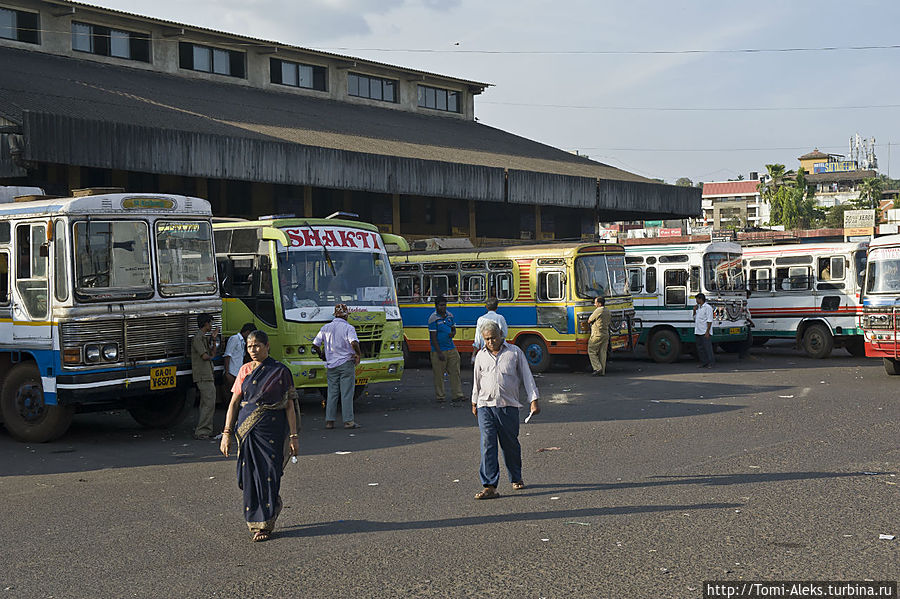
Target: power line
618,52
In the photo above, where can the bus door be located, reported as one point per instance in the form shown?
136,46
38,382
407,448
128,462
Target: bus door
31,297
245,272
551,288
830,273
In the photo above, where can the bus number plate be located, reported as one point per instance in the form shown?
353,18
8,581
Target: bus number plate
734,331
162,377
362,381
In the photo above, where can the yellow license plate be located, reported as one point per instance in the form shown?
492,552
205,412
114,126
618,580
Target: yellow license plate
734,331
162,377
362,381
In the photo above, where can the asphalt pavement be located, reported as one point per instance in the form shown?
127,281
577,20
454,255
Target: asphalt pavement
644,483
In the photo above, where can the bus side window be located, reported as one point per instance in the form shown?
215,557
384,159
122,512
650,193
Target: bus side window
4,278
409,288
551,287
635,284
650,281
31,269
695,279
759,279
473,288
793,278
501,286
60,259
436,285
675,283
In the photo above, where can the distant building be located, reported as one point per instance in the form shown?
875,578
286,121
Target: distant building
836,181
733,203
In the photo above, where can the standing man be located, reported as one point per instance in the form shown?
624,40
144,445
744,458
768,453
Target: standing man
444,357
234,354
203,350
598,344
500,368
491,307
703,319
338,345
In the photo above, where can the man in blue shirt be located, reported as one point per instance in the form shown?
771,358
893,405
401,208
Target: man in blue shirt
444,357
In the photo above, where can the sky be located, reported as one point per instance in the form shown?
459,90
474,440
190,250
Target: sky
660,88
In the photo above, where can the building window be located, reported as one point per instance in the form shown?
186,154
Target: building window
296,74
211,60
19,25
104,41
374,88
439,99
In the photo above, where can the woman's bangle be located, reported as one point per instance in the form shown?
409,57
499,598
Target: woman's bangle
294,436
227,432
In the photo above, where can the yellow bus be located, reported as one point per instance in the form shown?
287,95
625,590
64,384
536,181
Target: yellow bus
546,294
286,274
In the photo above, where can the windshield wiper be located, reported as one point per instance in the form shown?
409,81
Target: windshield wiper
324,250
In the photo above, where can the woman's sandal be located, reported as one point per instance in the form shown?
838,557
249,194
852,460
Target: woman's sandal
261,535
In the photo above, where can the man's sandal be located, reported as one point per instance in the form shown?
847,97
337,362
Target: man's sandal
262,535
487,493
518,486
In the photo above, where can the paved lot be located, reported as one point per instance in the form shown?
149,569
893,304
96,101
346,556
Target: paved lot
778,467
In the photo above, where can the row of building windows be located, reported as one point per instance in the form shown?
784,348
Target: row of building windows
23,26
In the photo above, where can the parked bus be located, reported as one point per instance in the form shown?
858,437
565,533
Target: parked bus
285,275
546,295
98,297
664,280
880,299
808,293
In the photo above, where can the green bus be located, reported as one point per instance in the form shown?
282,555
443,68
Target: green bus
286,274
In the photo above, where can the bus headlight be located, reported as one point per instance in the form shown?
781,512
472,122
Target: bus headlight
301,350
91,353
393,346
110,352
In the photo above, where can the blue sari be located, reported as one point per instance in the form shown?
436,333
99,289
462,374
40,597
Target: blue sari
263,445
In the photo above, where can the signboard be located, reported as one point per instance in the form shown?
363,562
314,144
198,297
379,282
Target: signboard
672,232
653,223
889,229
342,238
858,218
702,230
858,231
844,166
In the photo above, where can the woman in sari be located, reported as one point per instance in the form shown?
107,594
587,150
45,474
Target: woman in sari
265,411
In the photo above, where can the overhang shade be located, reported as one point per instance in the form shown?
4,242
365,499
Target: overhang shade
529,187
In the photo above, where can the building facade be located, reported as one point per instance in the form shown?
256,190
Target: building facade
96,97
733,204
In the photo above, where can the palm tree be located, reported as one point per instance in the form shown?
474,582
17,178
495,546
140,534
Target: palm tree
870,192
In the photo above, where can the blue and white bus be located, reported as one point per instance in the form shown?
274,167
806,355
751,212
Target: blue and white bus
98,297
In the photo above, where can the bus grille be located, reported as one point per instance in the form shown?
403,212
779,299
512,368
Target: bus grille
78,333
156,337
369,339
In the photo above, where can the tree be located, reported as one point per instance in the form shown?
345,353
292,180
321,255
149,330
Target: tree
834,218
768,190
790,201
740,177
684,182
869,193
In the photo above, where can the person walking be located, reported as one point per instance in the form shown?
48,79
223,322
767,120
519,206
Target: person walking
491,306
235,349
338,345
203,350
500,369
598,343
444,356
703,319
264,416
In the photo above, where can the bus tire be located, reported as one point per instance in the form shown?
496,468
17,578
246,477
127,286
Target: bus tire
410,360
817,341
891,366
856,347
664,347
162,411
26,416
536,353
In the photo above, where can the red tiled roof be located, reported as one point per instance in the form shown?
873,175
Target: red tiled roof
730,188
814,154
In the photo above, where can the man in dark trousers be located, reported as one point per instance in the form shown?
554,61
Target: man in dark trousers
203,350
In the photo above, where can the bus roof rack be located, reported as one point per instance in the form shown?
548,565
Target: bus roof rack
277,216
95,191
343,215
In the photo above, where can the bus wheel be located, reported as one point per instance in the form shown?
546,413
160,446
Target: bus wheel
664,347
536,353
25,414
856,346
817,341
410,360
161,411
891,366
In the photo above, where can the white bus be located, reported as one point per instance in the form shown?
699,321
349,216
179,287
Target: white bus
664,280
98,296
808,293
880,299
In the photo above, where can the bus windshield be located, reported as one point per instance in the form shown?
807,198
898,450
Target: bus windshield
186,258
599,276
723,271
883,271
112,259
312,281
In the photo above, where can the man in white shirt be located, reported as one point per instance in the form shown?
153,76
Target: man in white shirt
703,319
338,345
234,354
491,306
500,368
